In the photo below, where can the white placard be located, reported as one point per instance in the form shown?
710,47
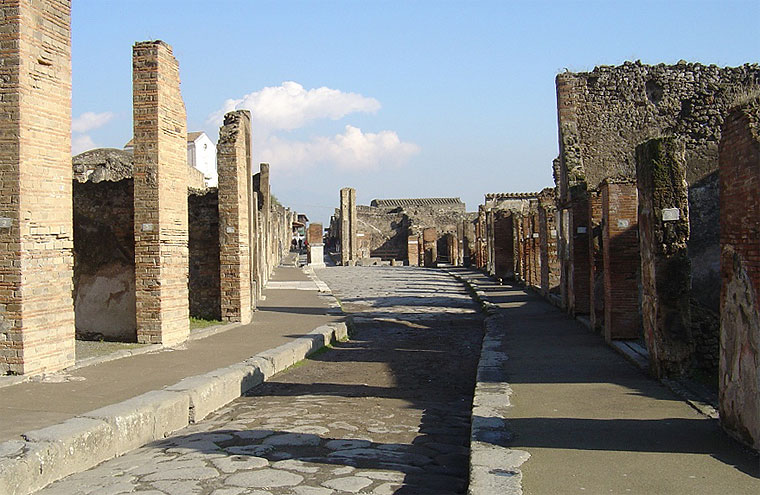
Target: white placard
230,230
147,227
623,224
5,223
413,242
670,214
581,230
359,235
535,235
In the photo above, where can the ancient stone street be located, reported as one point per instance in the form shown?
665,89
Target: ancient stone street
387,412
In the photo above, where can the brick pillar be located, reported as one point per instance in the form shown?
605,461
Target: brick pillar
256,235
267,227
503,242
430,246
413,250
36,228
596,258
160,177
547,230
535,248
314,236
348,226
517,246
621,259
233,159
579,274
480,236
665,264
739,379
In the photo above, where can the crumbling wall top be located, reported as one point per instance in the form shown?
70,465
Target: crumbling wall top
101,164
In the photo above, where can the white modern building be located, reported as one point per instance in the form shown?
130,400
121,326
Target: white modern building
201,154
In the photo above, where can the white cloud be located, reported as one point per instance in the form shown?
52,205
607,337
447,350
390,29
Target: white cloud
352,150
290,106
81,143
89,121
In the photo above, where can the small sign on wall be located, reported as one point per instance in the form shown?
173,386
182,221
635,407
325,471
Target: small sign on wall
623,224
670,214
535,235
581,230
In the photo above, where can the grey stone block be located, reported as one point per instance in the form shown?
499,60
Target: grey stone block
281,357
265,366
52,453
217,388
145,418
341,331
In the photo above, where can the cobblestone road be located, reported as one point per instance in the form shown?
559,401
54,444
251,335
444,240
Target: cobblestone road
385,413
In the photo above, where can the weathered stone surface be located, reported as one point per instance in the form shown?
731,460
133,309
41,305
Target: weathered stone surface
103,164
265,478
665,264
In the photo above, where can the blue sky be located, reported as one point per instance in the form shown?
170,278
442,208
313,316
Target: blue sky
396,99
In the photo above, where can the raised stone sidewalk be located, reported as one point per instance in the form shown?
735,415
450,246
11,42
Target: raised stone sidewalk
141,399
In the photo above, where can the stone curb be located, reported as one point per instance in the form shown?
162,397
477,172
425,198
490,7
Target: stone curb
51,453
494,468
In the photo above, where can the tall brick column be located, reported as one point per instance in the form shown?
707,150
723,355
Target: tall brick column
430,246
665,264
596,265
579,289
547,226
233,159
256,234
739,379
160,178
348,228
413,250
503,242
36,229
621,260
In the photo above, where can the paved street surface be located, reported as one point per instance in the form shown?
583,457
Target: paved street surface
386,413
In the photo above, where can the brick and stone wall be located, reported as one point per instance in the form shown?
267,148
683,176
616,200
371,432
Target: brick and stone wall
739,380
604,114
234,168
203,248
104,260
36,228
160,191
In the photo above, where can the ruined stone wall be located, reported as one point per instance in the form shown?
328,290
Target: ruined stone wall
605,113
203,247
160,175
385,231
739,380
36,231
104,260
